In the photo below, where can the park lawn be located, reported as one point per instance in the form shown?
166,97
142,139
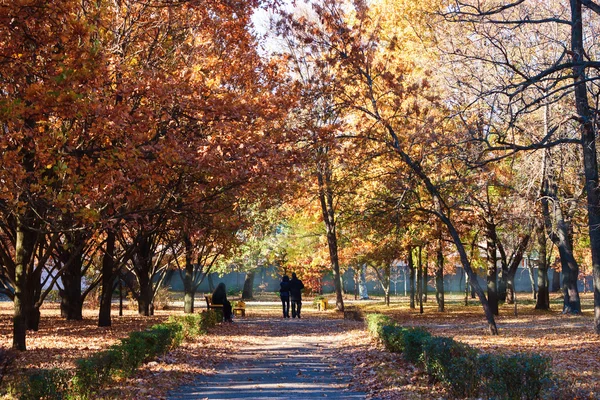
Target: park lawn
569,341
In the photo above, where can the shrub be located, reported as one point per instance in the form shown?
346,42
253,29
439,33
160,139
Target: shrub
120,360
44,384
452,363
460,366
393,338
191,324
514,377
375,324
412,343
95,371
209,319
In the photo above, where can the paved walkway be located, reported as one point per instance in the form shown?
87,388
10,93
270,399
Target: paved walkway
290,361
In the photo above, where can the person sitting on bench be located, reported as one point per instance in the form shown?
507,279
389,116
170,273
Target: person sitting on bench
219,296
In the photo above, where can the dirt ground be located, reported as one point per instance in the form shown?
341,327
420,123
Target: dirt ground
568,340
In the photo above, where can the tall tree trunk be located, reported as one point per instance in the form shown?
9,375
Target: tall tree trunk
386,282
492,269
503,277
467,289
411,267
71,304
555,287
559,233
420,278
145,296
362,283
188,287
247,292
425,276
439,278
590,161
543,297
24,245
34,291
327,208
142,267
108,277
530,269
514,265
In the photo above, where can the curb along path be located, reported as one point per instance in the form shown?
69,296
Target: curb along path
290,359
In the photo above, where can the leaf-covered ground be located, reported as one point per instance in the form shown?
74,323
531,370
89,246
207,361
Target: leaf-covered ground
569,341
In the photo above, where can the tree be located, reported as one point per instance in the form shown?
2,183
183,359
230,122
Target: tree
388,109
49,59
549,71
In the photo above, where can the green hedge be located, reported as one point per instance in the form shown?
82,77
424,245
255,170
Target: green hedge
465,371
118,361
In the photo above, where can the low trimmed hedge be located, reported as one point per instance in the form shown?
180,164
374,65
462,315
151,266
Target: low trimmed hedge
118,361
465,371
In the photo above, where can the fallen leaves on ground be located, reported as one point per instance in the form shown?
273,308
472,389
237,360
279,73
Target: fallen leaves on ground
569,341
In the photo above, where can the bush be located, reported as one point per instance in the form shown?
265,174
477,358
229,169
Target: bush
209,319
191,324
120,360
393,338
514,377
452,363
44,384
412,343
460,366
375,324
95,371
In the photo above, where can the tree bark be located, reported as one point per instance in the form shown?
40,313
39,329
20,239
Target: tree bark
559,233
247,292
555,281
439,279
142,266
411,268
543,297
362,283
425,276
189,290
467,289
71,304
24,245
492,269
327,208
420,279
514,265
108,277
530,269
590,164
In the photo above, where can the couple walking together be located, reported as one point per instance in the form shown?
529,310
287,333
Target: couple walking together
291,290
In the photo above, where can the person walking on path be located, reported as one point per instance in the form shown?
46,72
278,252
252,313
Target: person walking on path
284,294
219,296
296,287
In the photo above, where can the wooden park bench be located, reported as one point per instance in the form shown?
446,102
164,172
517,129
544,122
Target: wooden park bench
210,305
238,309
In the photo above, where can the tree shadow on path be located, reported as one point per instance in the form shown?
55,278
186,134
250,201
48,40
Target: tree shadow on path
279,359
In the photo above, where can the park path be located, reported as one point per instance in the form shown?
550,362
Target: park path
288,359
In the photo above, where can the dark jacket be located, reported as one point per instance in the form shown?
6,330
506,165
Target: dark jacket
296,287
219,296
284,289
